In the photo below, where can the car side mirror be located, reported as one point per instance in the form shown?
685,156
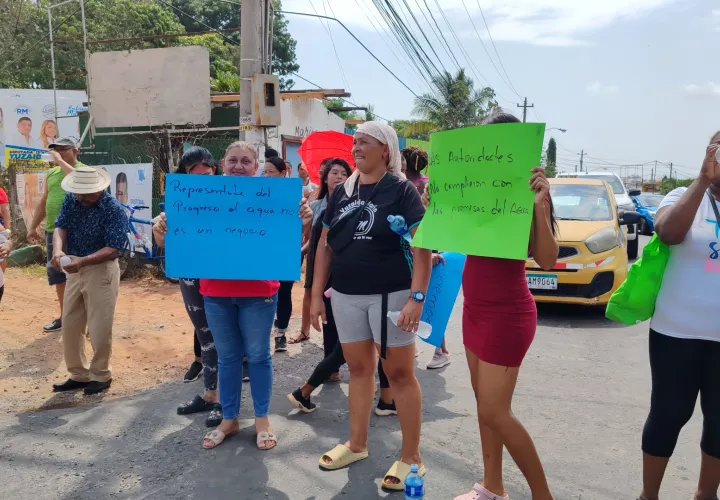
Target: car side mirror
628,218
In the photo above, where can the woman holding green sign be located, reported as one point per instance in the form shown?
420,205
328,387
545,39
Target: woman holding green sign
499,323
684,332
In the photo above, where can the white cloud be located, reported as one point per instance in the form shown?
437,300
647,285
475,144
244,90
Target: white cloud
600,88
715,19
539,22
709,89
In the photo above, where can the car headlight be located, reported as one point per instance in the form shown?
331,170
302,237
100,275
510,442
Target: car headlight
602,241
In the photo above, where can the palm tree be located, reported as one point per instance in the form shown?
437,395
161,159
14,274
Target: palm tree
454,102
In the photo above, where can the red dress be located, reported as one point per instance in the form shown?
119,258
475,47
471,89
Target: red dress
499,312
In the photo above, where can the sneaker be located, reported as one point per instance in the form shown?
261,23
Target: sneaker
280,343
298,401
438,360
96,387
384,409
54,326
193,372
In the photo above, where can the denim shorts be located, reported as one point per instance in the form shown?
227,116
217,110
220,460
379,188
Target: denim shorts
55,277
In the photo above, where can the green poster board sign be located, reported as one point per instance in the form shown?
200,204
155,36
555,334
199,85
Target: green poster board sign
480,197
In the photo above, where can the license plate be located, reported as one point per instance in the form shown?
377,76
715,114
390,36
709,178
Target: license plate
542,281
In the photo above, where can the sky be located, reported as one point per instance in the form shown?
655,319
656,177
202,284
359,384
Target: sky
632,81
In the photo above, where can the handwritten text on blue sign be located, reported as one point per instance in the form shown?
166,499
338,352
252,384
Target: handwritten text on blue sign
232,227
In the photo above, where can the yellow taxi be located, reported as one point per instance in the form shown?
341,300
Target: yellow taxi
592,261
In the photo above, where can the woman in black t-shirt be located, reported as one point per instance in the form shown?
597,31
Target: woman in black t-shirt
374,272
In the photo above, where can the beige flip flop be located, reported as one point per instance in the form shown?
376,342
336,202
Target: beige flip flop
341,456
264,436
217,437
399,470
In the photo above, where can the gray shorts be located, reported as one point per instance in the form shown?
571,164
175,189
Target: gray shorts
357,318
55,277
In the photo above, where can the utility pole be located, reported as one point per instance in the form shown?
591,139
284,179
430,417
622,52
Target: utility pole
671,179
582,154
653,172
252,33
525,107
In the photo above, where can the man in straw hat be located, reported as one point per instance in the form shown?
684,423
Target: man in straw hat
89,231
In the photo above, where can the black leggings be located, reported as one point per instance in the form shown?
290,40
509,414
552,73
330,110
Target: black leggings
284,305
334,357
682,368
204,343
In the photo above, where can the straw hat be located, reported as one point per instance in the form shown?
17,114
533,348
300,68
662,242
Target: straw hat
86,180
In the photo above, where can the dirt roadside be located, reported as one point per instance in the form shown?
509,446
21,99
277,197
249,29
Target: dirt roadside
152,341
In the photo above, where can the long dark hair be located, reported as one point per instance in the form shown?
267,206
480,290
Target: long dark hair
500,116
325,171
278,163
194,156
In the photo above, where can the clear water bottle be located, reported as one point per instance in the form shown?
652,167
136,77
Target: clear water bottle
399,226
424,329
414,485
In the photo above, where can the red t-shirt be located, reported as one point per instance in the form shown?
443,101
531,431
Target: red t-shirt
238,288
3,197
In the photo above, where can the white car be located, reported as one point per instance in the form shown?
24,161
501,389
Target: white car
622,199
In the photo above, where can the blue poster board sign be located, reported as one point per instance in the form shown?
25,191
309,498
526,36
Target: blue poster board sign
443,290
226,227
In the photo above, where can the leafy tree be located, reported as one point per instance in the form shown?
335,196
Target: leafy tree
551,158
454,102
222,15
345,115
25,51
370,113
225,81
414,129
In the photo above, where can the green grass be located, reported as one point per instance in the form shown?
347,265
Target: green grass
34,270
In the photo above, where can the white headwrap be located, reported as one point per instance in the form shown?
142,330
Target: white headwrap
386,135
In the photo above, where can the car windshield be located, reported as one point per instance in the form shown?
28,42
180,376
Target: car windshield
581,202
650,201
614,182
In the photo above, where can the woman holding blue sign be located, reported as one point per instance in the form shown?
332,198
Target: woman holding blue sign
374,272
196,161
499,323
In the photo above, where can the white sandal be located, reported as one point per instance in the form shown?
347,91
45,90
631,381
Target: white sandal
478,492
264,436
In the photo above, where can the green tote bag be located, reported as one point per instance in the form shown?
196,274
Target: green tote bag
634,301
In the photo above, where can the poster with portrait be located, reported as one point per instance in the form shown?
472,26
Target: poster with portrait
28,124
131,184
30,189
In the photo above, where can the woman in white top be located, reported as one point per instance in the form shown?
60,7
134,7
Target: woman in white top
685,330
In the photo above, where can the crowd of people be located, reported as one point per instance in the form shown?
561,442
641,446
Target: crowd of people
358,269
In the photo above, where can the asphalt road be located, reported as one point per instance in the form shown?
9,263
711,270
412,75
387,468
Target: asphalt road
583,394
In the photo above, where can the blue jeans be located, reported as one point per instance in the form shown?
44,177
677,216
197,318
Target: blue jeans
241,326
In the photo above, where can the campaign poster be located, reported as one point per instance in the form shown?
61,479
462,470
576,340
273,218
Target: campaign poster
30,190
28,124
131,184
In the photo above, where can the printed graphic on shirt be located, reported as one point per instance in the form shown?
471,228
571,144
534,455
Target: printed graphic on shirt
712,264
367,219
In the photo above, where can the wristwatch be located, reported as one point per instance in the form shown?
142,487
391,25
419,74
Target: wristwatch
418,297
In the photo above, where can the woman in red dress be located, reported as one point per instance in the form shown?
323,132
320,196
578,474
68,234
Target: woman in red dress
499,322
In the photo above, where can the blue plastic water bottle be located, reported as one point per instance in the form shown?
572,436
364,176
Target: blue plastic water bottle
398,225
414,485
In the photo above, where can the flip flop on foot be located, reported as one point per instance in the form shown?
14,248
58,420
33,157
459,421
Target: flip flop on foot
215,438
399,472
480,493
265,437
341,456
302,337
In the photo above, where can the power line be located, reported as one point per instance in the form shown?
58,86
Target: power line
326,25
495,48
227,39
438,33
407,65
486,51
357,40
422,32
